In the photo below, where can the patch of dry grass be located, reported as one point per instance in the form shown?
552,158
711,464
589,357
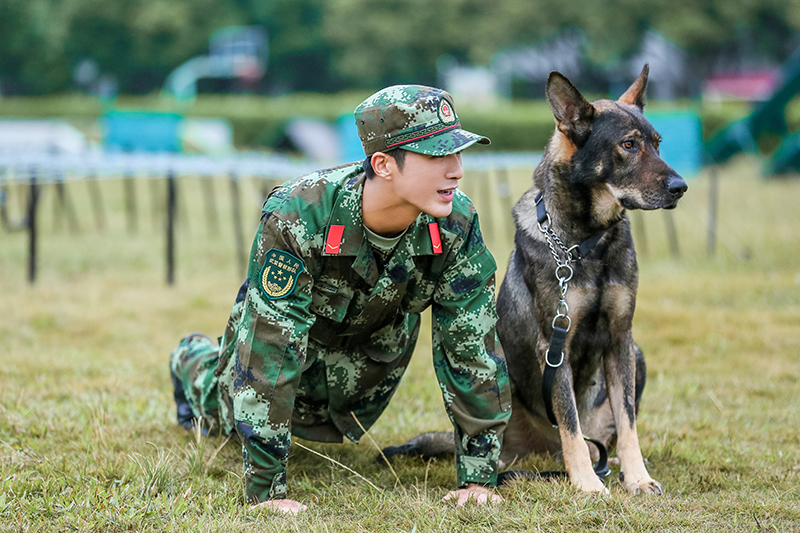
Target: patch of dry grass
88,441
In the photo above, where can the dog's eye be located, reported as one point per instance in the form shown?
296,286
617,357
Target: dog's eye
628,145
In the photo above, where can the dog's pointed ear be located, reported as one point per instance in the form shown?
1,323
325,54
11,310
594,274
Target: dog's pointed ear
574,115
635,93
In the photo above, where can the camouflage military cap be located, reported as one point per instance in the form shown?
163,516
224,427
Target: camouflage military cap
415,118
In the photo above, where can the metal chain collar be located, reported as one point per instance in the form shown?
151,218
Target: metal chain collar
563,273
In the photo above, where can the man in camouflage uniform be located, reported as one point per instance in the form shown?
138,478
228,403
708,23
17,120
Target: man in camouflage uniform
342,265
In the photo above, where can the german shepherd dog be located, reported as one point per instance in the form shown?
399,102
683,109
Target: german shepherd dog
601,161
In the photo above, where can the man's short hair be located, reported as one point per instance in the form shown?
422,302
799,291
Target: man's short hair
398,154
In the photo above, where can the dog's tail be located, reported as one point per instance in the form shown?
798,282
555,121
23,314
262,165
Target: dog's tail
432,445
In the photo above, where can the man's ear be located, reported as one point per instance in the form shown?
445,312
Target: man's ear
635,93
574,115
382,165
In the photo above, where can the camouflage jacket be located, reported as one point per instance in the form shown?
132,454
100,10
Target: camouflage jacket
323,332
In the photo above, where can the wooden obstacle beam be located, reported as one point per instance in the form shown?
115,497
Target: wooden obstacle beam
33,201
171,204
241,256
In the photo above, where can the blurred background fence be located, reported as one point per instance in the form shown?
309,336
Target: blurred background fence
27,176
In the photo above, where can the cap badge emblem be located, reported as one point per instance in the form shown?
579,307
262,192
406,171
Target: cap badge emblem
446,113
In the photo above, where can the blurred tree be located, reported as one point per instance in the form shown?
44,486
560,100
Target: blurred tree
703,26
141,41
299,54
32,36
376,43
137,41
400,41
326,46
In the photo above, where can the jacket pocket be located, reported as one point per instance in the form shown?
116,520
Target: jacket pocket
329,301
329,305
394,339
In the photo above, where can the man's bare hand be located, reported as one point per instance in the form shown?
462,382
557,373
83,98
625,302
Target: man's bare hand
476,493
285,506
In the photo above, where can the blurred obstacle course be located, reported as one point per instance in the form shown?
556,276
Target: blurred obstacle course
768,119
141,131
166,147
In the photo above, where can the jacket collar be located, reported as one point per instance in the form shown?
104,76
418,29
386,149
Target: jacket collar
347,212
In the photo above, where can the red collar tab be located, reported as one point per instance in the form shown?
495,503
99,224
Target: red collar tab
436,239
334,242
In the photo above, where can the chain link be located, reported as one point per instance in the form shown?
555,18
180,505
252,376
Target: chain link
563,270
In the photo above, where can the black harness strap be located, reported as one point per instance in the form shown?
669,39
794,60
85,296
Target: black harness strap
555,354
587,245
553,360
541,212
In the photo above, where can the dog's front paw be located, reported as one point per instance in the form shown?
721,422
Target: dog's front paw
590,485
646,485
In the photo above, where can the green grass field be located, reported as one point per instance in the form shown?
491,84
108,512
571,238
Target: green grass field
87,434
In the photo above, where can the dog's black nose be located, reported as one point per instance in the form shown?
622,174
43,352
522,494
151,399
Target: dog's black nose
676,186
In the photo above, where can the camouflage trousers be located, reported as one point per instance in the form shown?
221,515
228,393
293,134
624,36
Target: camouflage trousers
324,401
194,362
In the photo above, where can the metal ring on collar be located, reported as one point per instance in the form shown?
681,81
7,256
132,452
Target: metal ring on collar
564,278
569,321
562,309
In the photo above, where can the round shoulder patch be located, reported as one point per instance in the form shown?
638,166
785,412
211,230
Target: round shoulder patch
280,273
446,112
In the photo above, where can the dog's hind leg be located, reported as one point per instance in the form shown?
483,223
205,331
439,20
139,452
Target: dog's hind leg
598,418
621,381
527,434
641,376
